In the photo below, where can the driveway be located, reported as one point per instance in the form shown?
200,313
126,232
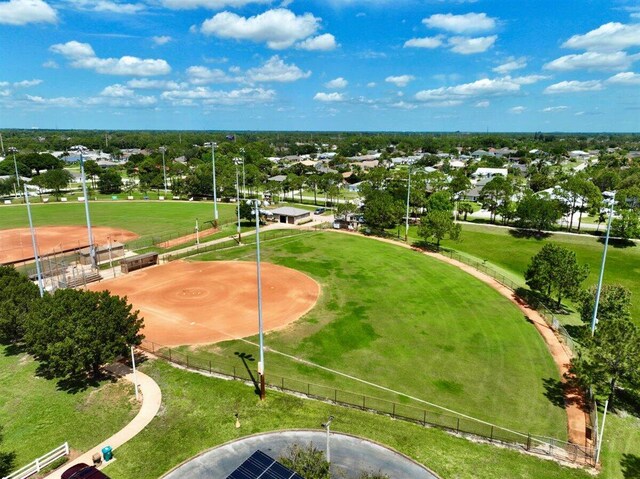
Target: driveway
350,456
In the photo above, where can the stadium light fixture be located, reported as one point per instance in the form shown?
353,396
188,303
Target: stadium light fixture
33,242
327,426
215,195
92,250
611,195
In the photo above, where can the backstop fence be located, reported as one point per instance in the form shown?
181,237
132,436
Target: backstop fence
544,446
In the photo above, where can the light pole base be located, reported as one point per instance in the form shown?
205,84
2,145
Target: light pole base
262,387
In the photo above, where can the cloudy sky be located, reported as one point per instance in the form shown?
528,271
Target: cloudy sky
414,65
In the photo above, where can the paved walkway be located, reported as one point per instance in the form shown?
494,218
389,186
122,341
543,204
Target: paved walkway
151,400
350,456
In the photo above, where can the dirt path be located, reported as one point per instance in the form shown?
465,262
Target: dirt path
577,419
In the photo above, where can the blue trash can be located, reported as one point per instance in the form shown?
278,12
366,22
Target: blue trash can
107,453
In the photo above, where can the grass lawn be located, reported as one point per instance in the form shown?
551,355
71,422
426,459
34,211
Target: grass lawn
411,323
621,447
143,218
37,417
198,413
499,247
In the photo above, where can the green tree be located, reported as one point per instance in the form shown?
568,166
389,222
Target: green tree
610,357
7,459
381,210
74,333
17,295
56,180
109,182
437,224
91,170
494,193
465,209
537,211
626,225
555,268
614,303
309,462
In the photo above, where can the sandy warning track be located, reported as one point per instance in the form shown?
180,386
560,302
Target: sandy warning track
15,244
206,302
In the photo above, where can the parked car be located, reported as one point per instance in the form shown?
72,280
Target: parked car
319,211
83,471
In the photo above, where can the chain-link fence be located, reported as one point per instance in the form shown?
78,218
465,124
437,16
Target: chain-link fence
240,370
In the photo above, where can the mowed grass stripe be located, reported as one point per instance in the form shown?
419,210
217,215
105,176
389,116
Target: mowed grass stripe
413,324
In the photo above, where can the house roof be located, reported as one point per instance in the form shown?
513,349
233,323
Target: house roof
278,178
289,211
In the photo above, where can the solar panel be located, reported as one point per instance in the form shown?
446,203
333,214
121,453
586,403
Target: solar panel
262,466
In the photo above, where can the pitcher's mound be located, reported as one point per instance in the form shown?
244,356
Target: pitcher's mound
206,302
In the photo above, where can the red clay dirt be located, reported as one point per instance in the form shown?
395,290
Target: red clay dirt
185,239
15,244
207,302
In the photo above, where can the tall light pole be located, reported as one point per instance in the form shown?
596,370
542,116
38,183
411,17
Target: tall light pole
164,170
92,250
594,319
406,225
215,195
327,426
33,242
244,187
13,150
237,161
256,204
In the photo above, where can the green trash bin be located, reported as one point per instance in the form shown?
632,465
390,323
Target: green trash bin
107,453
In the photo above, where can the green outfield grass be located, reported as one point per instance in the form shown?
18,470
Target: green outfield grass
499,247
411,323
142,217
198,413
38,417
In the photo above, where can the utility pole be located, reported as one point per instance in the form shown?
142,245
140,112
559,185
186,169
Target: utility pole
92,250
327,426
215,195
236,161
594,318
406,226
33,242
256,204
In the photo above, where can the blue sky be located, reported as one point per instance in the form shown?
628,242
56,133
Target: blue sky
400,65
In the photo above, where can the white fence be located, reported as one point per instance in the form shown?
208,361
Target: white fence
40,463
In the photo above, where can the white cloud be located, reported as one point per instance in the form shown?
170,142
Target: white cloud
553,109
199,75
527,79
625,78
468,46
593,61
50,64
221,97
612,36
483,104
210,4
329,97
517,110
400,81
325,43
22,12
117,91
479,88
108,6
404,105
27,83
161,40
426,42
510,65
55,102
336,84
276,70
371,84
279,28
147,84
467,23
574,86
81,55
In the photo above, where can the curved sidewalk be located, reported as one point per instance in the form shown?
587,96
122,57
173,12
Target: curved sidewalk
151,401
350,455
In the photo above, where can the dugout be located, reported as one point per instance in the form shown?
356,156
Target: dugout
290,215
102,253
138,262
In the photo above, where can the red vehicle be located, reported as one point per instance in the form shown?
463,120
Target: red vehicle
83,471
